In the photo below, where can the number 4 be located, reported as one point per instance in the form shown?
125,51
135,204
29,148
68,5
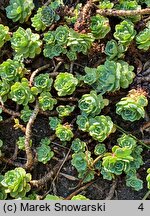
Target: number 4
141,207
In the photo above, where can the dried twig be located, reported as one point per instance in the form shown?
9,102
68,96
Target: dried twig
113,12
57,66
79,190
28,150
64,160
112,190
10,112
47,177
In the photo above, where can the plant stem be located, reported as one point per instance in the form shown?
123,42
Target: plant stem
146,195
10,112
113,12
28,150
139,141
79,190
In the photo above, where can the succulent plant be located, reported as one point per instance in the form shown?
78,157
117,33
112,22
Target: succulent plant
148,178
44,17
43,82
143,39
21,143
99,149
105,4
64,110
64,132
126,141
44,151
19,10
46,101
114,50
91,75
117,161
16,182
25,43
53,122
92,104
22,93
78,145
65,84
124,32
4,90
131,108
99,26
82,122
101,127
26,113
79,161
113,75
78,42
4,34
79,197
3,195
11,70
135,183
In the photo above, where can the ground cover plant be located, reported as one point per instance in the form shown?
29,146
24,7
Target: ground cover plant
74,99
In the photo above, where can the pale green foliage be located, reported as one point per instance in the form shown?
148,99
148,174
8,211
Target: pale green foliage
22,93
117,161
43,82
113,75
16,182
114,50
65,40
148,178
100,127
64,132
26,113
131,108
11,70
143,38
44,151
21,143
3,195
135,183
79,197
99,26
83,122
126,141
65,84
25,43
46,101
105,4
4,90
79,161
44,17
99,149
64,110
19,10
4,34
53,122
124,32
78,145
92,104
